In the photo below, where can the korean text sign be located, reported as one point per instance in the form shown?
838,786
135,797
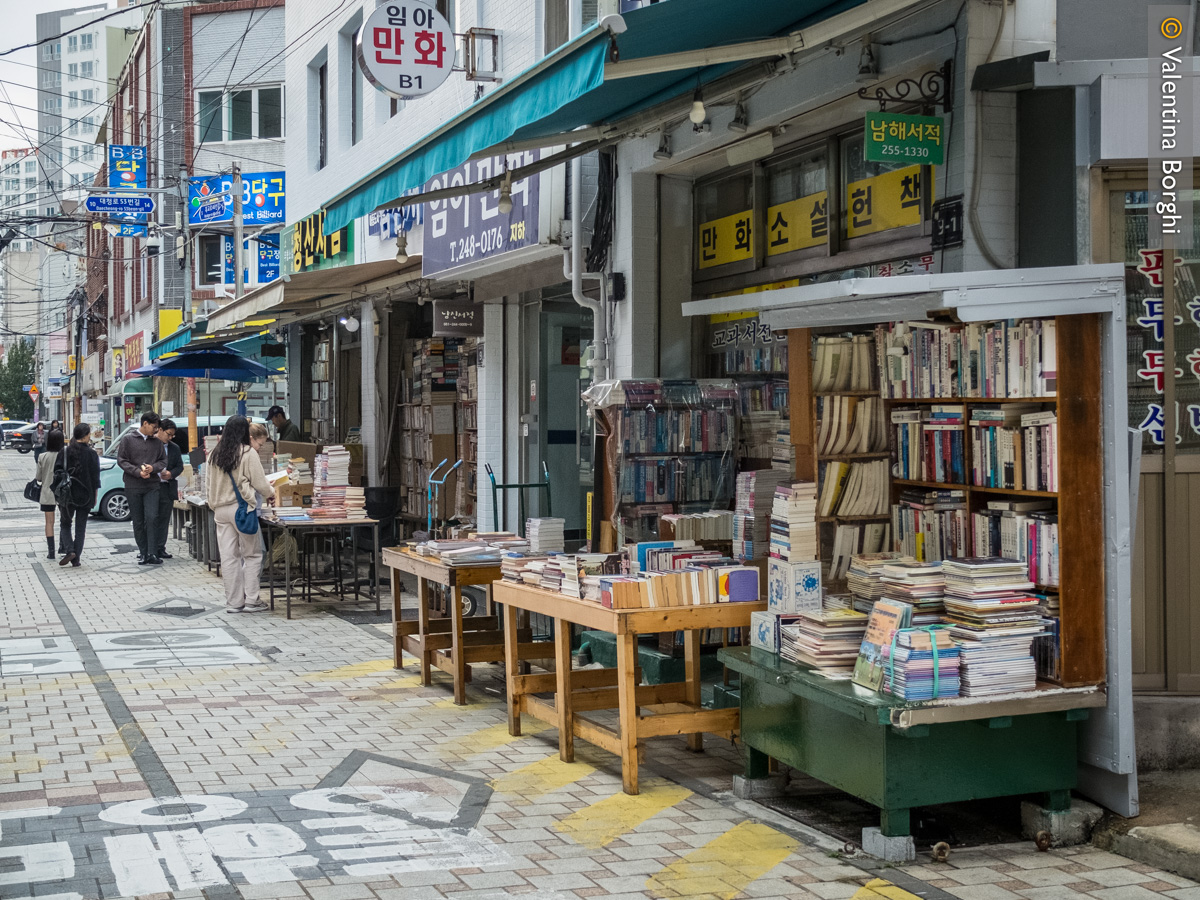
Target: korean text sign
894,137
127,171
263,198
470,228
406,48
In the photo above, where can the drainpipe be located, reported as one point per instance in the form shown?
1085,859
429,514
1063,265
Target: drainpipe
575,259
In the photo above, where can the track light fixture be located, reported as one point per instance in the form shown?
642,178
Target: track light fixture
664,147
740,121
402,247
868,66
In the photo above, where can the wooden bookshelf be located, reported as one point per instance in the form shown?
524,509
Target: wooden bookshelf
1079,499
850,457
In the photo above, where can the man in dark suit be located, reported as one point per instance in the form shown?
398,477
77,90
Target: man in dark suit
169,488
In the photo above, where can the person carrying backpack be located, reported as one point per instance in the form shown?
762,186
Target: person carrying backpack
78,480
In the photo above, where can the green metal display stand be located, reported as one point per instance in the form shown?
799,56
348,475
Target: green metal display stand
899,755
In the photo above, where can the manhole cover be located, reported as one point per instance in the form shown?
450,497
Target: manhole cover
178,607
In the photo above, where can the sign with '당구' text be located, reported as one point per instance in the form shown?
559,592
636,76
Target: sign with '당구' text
899,138
406,48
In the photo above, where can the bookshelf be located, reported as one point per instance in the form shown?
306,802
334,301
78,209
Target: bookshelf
669,448
1077,503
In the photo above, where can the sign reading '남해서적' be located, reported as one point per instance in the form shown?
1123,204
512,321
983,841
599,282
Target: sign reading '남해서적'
901,138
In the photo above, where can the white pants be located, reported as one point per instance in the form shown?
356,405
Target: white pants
241,558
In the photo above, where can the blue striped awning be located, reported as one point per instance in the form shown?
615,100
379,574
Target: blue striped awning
176,341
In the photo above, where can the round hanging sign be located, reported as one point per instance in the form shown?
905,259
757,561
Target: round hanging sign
406,48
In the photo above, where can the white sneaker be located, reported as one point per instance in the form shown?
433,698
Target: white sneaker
235,609
254,607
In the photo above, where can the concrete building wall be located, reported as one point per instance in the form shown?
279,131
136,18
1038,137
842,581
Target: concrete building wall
315,36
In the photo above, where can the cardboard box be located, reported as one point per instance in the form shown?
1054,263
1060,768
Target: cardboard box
287,449
764,630
291,496
793,587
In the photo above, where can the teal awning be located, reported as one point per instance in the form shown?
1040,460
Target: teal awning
567,89
135,386
176,341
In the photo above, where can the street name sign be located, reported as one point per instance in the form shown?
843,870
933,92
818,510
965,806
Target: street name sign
120,204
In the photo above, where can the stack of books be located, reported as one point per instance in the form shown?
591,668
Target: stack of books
299,471
582,572
513,566
920,585
922,665
755,492
865,578
850,540
826,639
794,522
713,525
545,535
552,572
356,503
331,478
756,432
693,586
992,614
481,555
783,451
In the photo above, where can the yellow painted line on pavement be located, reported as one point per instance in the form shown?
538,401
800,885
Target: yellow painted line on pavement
877,888
726,865
354,670
606,820
21,764
540,778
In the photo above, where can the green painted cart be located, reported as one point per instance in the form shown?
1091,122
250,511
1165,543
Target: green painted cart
899,755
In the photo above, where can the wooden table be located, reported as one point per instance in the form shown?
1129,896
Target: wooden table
676,707
454,643
296,527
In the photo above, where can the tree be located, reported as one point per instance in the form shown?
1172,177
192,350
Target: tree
16,372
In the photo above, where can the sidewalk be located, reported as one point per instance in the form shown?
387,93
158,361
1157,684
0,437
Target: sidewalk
252,756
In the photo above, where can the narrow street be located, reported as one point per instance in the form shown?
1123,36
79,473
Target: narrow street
208,755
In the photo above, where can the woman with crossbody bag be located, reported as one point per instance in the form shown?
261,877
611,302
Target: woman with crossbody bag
234,474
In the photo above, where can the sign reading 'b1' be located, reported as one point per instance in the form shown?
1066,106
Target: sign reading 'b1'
406,49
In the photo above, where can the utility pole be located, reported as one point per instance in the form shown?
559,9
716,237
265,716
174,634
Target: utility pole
237,231
187,245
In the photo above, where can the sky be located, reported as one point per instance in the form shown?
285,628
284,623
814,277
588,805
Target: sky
18,78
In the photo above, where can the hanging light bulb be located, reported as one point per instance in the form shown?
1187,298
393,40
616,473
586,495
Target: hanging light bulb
350,323
698,113
505,202
402,247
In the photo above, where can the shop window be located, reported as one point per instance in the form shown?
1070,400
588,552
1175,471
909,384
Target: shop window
878,196
323,115
725,220
797,203
211,258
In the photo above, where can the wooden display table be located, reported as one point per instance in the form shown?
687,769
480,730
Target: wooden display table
898,755
454,643
676,706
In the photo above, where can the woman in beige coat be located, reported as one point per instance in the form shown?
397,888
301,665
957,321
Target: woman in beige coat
234,466
45,474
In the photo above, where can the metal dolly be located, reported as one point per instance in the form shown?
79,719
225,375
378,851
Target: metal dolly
433,490
544,484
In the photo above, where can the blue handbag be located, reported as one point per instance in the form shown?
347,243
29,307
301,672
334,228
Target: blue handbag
246,519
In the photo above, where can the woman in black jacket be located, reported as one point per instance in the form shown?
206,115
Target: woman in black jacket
83,465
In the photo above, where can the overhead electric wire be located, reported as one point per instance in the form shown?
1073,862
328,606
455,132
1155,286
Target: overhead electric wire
89,24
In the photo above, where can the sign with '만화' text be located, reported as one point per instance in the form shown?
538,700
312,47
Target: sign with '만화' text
406,48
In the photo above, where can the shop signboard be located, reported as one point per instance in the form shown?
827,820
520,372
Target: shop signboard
946,222
135,352
797,224
125,230
901,138
264,199
127,170
406,48
118,364
267,252
471,228
54,392
227,256
726,240
457,318
888,200
306,246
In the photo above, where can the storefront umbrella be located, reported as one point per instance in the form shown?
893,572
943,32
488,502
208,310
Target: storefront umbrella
210,364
